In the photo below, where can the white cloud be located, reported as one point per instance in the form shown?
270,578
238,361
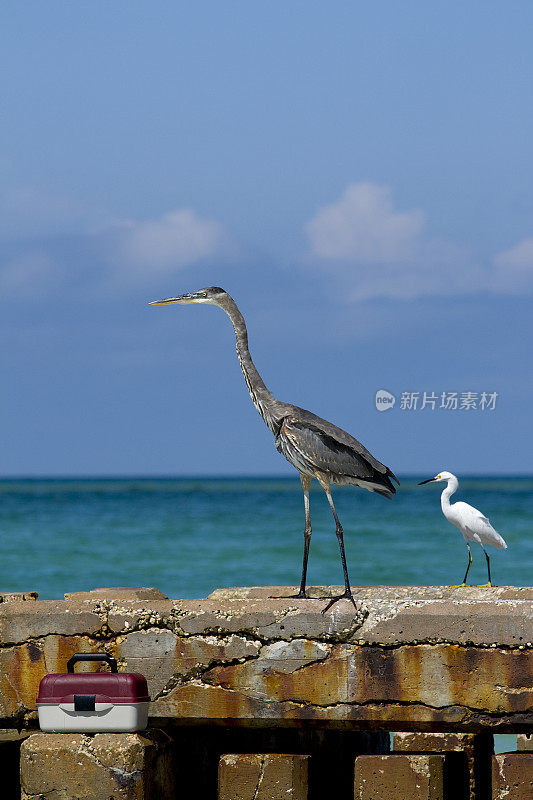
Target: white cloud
176,240
519,257
363,226
513,271
51,243
375,250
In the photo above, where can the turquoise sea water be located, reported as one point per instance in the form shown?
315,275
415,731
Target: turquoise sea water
189,536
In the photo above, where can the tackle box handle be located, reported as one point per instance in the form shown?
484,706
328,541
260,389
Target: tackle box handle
92,657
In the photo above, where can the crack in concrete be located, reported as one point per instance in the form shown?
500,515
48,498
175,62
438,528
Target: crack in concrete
180,679
435,641
261,776
108,635
36,639
171,684
310,664
379,704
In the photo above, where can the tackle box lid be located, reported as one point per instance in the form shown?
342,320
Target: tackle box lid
106,687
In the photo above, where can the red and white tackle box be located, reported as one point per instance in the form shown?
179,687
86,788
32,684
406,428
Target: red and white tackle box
93,701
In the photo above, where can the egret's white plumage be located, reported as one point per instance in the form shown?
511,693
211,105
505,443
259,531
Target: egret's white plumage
474,526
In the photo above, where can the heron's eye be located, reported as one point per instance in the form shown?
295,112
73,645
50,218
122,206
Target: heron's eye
203,294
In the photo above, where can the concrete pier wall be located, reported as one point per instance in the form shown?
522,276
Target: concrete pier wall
254,665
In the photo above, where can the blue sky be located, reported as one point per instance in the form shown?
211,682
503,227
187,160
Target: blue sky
359,178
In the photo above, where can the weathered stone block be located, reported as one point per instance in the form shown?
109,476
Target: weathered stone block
399,777
512,776
469,615
16,597
467,776
507,622
524,741
278,617
120,593
400,594
432,742
263,777
21,620
106,766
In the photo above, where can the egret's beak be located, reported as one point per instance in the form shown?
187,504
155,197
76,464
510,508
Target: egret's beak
182,299
428,481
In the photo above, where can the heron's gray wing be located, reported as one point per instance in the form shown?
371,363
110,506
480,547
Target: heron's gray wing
327,454
341,437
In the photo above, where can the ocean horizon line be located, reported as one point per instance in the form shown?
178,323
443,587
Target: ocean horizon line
221,477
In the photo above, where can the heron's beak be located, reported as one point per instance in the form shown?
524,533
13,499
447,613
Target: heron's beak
183,299
428,481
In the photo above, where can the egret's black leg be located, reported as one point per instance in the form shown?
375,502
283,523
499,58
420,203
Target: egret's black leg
469,565
488,566
340,536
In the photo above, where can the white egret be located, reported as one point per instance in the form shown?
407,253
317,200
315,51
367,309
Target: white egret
473,525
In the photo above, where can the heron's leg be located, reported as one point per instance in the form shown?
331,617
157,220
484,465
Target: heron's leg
340,536
469,565
488,567
306,482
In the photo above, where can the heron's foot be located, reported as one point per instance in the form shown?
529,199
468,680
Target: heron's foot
481,585
458,585
347,595
300,596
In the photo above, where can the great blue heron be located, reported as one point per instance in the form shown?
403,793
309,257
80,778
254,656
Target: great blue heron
474,526
315,447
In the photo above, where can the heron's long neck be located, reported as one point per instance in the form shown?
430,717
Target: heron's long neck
262,398
450,489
